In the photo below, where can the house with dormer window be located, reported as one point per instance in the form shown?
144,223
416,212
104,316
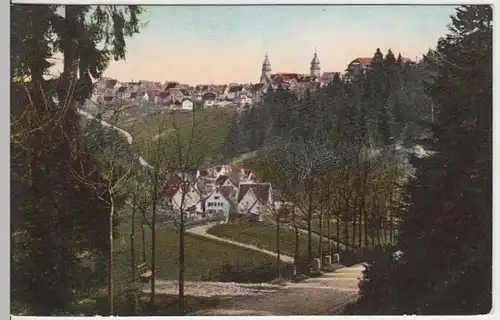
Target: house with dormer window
216,204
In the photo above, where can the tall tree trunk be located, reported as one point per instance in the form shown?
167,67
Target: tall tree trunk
345,217
143,231
181,263
296,243
329,234
379,232
384,230
361,226
69,45
354,226
153,247
309,227
133,263
278,253
363,207
355,216
110,256
320,244
346,231
337,229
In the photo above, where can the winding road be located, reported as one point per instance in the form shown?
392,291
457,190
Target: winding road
202,231
324,295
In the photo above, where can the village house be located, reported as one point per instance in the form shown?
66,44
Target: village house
198,96
187,104
246,175
223,169
188,199
258,91
228,186
173,199
359,66
233,92
253,199
362,64
327,77
216,204
244,100
209,99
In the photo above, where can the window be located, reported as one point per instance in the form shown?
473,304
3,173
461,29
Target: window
217,198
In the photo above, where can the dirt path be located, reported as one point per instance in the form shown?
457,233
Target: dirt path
324,295
202,231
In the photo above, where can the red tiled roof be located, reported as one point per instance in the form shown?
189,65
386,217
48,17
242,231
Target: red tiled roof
173,185
209,96
261,190
363,60
235,177
110,83
221,179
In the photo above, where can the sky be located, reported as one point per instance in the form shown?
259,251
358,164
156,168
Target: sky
224,44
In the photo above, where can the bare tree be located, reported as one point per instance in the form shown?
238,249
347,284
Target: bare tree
173,157
155,150
116,164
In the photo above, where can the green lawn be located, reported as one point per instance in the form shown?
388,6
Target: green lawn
201,255
333,233
211,127
264,236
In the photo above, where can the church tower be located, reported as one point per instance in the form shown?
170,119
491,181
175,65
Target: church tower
265,76
315,68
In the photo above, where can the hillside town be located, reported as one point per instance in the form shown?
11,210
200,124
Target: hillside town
218,192
176,96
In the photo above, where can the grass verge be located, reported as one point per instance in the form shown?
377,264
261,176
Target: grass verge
264,236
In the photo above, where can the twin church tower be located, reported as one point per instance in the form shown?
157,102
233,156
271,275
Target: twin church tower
315,69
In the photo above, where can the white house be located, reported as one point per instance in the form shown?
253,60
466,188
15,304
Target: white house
216,204
188,199
228,186
145,97
233,91
245,100
198,96
209,99
223,169
246,176
254,198
187,104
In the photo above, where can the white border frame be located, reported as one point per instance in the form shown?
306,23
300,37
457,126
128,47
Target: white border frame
5,67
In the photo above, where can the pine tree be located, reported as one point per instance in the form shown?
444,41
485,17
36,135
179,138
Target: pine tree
446,234
58,215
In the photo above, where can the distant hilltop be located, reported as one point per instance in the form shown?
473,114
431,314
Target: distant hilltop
177,96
